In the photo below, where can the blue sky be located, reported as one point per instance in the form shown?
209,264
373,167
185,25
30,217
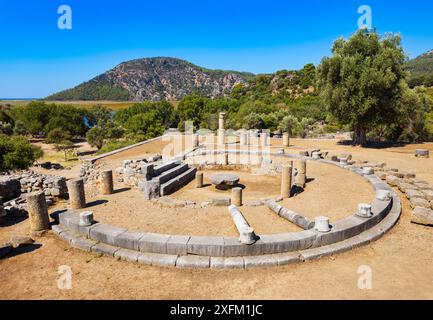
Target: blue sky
37,59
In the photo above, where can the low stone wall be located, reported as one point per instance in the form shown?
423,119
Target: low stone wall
14,185
10,188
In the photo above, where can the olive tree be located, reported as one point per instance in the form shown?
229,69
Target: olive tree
362,82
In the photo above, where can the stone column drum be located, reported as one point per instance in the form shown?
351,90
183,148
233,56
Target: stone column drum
286,182
38,212
77,197
221,129
286,139
196,141
107,182
302,174
236,198
199,180
244,138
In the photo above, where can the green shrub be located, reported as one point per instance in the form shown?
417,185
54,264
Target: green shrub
17,153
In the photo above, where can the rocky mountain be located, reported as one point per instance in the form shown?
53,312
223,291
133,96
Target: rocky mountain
421,70
155,79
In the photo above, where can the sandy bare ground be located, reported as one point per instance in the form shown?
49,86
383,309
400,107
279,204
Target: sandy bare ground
400,261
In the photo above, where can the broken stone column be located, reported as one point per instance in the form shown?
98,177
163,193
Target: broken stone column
286,139
107,182
287,214
221,129
199,180
302,174
196,141
286,182
38,212
367,171
321,224
86,218
236,198
246,233
383,195
364,210
77,196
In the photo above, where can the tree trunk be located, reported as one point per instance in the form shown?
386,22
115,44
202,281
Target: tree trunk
360,136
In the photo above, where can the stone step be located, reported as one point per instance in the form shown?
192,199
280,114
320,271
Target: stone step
160,169
172,173
178,182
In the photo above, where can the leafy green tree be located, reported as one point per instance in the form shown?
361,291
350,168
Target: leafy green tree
58,135
20,128
34,116
17,152
361,83
96,137
192,108
289,124
144,126
253,121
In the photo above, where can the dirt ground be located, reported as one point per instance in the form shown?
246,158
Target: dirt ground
401,261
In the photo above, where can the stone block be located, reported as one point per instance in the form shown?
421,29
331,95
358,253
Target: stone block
316,253
206,246
193,262
127,255
422,216
227,263
428,194
411,193
178,182
233,248
128,240
156,259
154,243
106,233
104,249
150,189
177,244
419,202
82,243
392,180
287,258
58,229
260,261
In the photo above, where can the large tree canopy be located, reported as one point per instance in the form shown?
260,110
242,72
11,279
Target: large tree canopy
362,83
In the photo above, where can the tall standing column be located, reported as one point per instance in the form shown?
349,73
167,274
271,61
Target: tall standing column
38,212
221,129
107,182
286,139
77,197
286,182
302,174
